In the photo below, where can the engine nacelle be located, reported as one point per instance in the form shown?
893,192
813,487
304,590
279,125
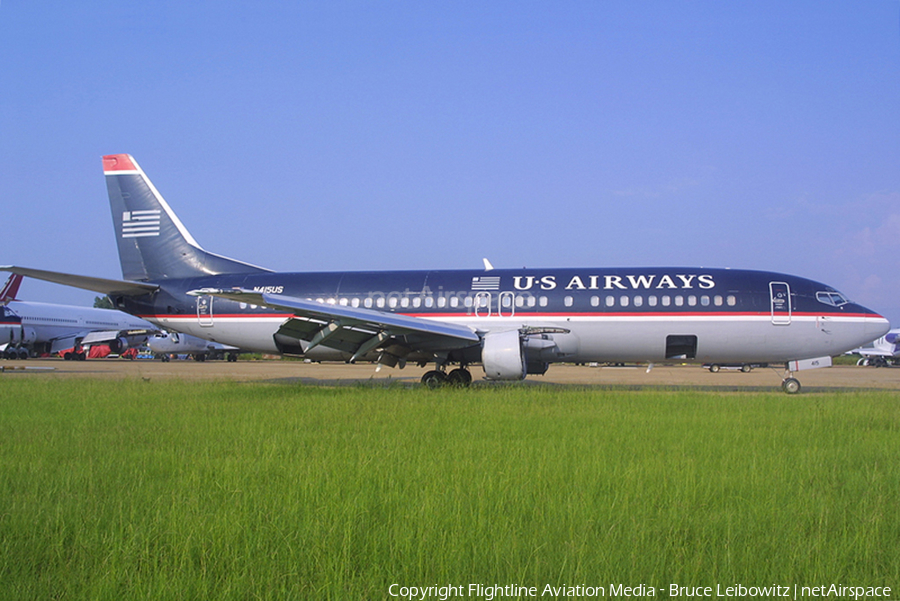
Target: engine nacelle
502,356
29,335
118,345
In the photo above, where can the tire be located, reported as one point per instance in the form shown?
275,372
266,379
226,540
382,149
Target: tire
791,386
745,368
459,377
714,368
434,379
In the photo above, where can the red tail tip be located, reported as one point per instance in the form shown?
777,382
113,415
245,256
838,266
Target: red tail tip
118,162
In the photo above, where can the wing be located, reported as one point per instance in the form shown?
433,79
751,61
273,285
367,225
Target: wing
351,329
130,336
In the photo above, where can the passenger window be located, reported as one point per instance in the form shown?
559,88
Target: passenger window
532,301
417,302
368,302
638,301
704,300
392,302
718,300
442,301
666,301
595,301
610,301
692,300
543,301
404,302
679,301
467,301
429,301
651,301
354,302
380,303
568,301
731,300
454,301
623,300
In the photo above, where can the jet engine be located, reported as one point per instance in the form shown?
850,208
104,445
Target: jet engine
118,345
502,356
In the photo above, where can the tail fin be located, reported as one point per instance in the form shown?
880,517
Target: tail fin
153,243
10,289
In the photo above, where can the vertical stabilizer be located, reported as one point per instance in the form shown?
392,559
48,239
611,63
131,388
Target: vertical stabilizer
10,289
153,243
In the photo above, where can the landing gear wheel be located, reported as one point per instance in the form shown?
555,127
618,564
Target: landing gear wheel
434,379
459,377
745,368
791,385
714,368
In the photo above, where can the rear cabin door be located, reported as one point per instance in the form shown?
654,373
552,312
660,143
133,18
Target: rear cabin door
780,293
205,311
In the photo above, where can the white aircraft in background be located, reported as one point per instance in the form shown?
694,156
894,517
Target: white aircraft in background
881,352
30,329
165,344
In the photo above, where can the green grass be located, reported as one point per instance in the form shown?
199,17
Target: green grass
178,490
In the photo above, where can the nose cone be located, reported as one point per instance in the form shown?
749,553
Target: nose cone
876,326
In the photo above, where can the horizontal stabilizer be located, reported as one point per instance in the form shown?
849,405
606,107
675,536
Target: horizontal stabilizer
110,287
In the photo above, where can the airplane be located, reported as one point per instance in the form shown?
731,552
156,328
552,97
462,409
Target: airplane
881,352
514,322
29,328
165,344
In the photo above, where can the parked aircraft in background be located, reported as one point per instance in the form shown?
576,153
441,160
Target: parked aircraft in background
29,329
165,344
881,352
514,322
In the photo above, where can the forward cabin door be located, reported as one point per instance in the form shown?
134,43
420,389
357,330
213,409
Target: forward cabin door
780,294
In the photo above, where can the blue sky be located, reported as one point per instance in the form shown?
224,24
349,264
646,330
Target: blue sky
415,135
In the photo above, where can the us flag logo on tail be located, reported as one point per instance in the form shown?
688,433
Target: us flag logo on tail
486,282
138,224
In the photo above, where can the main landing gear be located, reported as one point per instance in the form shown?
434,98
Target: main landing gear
458,378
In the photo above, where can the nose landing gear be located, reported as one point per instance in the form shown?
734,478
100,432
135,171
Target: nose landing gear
791,385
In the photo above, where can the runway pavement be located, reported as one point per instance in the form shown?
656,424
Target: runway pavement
330,374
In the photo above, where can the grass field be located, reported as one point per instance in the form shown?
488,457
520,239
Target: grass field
176,490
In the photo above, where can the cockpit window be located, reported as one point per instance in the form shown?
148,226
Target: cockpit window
835,299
